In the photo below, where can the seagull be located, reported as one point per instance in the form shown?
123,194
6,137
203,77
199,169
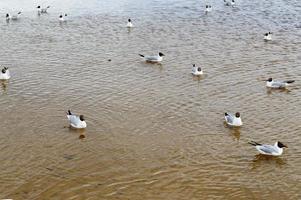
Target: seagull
129,24
13,17
4,75
267,36
157,58
196,70
270,83
231,3
42,10
76,121
233,120
62,19
267,149
208,8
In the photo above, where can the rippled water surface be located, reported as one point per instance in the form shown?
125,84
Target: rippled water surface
154,131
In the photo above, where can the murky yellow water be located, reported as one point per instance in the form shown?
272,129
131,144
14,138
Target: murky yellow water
154,131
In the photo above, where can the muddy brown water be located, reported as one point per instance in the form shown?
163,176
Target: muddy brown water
154,131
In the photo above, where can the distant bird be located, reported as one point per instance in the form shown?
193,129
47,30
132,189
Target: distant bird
196,70
266,149
13,17
129,24
76,121
62,18
267,36
8,17
157,58
208,8
229,3
4,75
233,120
270,83
42,10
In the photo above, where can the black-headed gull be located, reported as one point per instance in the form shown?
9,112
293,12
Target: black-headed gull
270,83
229,3
42,10
267,149
4,74
13,17
233,120
129,24
196,70
267,36
157,58
62,18
208,8
76,121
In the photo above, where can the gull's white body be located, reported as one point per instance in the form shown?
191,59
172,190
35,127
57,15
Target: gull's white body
75,121
232,120
129,25
5,76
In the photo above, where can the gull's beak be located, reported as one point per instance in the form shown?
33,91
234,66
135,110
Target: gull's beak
285,146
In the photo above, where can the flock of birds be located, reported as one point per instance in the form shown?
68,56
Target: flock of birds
232,120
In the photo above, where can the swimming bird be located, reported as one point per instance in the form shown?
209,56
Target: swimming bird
13,17
4,75
8,17
196,70
62,19
76,121
17,16
267,36
266,149
270,83
229,3
129,24
208,8
157,58
42,10
233,120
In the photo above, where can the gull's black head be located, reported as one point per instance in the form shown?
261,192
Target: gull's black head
161,54
266,34
129,20
193,65
81,117
270,80
61,16
199,69
280,145
207,6
7,15
19,13
233,1
237,114
39,7
3,70
65,15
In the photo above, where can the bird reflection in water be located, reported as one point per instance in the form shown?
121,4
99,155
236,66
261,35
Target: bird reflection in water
234,131
81,132
4,85
261,160
271,90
